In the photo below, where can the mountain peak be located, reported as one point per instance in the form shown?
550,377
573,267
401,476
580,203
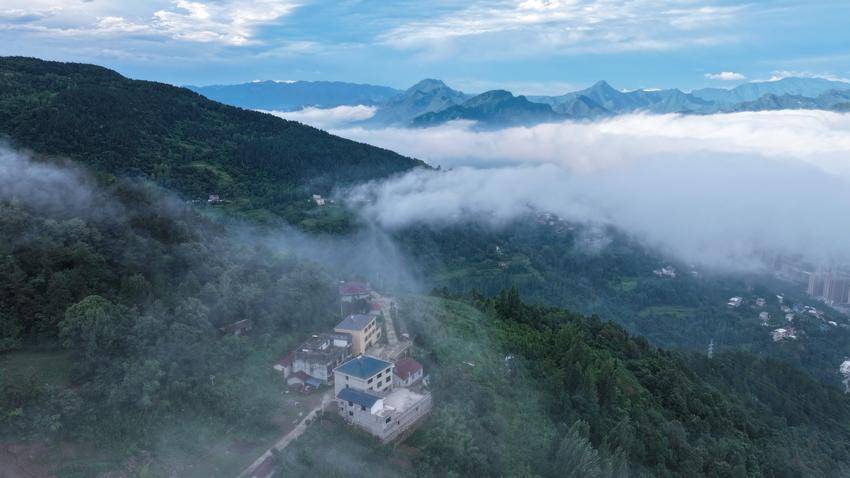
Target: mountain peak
428,84
602,85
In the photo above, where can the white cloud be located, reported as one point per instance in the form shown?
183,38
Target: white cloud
228,22
819,138
325,118
725,76
526,27
780,74
717,190
231,23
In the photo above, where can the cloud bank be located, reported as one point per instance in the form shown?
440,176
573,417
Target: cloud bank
726,76
818,138
326,118
716,190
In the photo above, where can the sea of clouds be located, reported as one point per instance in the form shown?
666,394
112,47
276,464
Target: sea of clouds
712,189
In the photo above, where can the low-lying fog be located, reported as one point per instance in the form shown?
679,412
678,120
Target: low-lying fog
713,189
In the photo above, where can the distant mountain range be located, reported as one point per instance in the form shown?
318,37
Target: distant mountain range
294,95
431,102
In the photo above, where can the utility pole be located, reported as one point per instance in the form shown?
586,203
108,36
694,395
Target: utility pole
711,349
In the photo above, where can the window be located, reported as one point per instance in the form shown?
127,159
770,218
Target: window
387,380
362,408
350,404
379,374
370,380
389,419
350,414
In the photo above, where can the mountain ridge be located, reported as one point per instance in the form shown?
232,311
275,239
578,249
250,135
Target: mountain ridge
430,96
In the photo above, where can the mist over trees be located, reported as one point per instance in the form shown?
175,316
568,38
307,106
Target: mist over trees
136,287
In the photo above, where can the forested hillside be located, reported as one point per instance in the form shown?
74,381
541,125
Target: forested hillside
178,138
538,391
604,272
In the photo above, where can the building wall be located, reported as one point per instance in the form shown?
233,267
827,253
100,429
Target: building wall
375,383
363,339
413,378
389,426
313,368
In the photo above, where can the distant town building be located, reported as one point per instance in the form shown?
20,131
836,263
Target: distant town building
764,317
844,369
832,287
320,354
407,372
214,199
363,329
783,334
735,301
318,199
760,302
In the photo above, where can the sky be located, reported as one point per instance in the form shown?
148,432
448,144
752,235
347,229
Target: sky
527,46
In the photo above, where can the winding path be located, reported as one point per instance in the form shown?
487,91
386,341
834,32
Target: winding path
261,467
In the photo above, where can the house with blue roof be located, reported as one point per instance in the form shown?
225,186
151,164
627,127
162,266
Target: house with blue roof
366,398
364,373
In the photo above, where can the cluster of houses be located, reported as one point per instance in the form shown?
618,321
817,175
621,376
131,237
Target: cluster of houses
377,386
792,315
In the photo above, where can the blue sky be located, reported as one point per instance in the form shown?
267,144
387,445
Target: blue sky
527,46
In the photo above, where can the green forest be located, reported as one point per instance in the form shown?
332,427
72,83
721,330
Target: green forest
554,393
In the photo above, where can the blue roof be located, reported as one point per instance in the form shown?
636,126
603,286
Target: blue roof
361,398
354,322
363,366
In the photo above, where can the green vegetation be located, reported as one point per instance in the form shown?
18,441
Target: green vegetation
51,367
605,273
671,311
537,391
112,311
180,139
330,448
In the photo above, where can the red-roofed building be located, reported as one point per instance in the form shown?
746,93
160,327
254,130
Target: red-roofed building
284,365
298,378
352,290
407,372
